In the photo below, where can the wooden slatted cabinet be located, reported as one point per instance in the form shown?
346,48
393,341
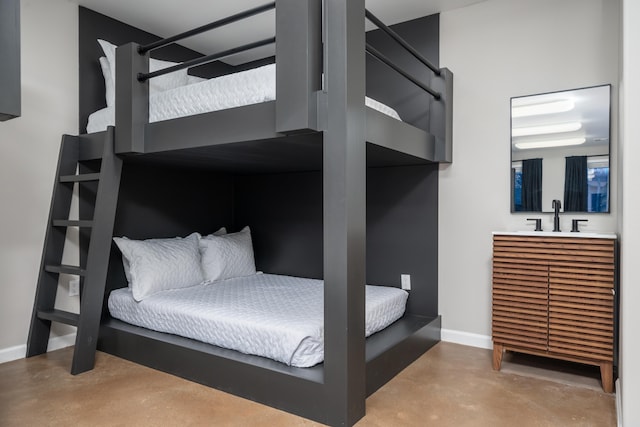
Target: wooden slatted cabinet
554,296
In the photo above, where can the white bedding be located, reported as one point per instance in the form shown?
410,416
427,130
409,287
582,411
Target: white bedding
279,317
233,90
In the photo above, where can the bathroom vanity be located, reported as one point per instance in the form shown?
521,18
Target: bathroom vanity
554,295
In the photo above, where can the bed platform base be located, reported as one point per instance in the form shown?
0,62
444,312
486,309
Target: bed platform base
295,390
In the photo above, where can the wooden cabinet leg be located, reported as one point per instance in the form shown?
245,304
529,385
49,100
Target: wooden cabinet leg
498,351
606,373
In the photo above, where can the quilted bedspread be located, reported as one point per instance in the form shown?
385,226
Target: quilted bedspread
279,317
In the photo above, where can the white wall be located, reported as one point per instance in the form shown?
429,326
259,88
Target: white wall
630,244
498,49
28,151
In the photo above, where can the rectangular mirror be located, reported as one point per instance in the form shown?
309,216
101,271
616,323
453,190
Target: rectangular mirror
560,150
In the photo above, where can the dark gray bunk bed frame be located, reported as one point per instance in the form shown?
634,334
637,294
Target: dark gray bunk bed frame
362,212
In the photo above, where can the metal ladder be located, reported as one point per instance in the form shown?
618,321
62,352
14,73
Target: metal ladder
99,194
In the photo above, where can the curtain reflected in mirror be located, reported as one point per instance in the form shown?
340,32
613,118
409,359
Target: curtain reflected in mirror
586,185
560,150
532,185
575,184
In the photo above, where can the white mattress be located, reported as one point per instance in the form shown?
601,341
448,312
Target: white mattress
233,90
279,317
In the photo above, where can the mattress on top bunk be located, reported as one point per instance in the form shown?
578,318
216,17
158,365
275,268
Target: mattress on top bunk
233,90
274,316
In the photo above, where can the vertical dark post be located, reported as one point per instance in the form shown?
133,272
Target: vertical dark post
344,181
298,63
441,116
10,93
132,99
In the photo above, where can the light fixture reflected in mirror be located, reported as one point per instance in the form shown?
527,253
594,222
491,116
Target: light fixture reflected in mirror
560,150
549,143
546,129
527,109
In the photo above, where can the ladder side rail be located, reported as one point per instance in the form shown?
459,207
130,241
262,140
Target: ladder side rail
87,191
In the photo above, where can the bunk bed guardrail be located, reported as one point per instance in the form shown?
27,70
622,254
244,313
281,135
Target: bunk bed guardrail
441,89
299,53
211,26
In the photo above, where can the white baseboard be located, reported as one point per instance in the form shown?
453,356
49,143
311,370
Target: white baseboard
19,351
466,338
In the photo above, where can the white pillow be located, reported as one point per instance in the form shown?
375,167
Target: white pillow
167,81
227,256
110,90
156,84
156,265
125,262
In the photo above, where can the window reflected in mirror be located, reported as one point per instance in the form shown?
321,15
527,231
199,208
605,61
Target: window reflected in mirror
598,183
560,150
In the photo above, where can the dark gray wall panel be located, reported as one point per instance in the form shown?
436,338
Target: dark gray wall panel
10,99
402,232
284,212
385,85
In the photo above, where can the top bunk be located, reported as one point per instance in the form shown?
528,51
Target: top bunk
271,116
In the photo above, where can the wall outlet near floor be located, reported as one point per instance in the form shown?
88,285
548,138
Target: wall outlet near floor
405,280
74,287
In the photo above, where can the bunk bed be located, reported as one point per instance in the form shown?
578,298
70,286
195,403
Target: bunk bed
331,188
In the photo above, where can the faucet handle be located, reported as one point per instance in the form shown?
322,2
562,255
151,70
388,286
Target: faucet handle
574,224
538,223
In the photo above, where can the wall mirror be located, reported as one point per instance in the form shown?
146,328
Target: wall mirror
560,150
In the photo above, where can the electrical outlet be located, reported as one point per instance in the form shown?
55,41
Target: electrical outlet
74,287
405,280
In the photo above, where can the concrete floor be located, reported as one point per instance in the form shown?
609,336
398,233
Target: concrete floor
451,385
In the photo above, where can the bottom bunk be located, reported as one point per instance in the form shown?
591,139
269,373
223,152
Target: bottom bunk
269,315
167,197
295,390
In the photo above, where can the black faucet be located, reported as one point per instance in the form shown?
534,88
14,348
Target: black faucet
556,214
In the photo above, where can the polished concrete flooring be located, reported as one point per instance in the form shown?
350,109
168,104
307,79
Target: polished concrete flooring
451,385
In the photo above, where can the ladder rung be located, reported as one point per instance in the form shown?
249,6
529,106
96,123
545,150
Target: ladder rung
65,269
72,223
59,316
80,178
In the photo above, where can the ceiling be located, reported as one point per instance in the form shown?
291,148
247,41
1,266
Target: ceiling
167,18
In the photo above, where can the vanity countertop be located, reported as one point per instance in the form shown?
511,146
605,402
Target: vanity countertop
586,235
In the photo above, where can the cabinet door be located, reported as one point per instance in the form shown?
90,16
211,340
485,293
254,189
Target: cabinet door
581,300
520,294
